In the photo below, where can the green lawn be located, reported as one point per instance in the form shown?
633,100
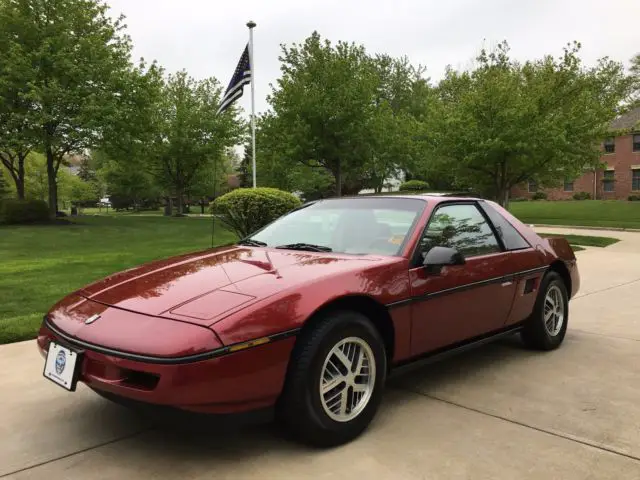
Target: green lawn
585,240
587,213
40,264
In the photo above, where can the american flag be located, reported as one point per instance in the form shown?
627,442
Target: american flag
241,77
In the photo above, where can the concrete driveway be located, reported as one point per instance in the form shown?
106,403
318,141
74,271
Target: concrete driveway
499,412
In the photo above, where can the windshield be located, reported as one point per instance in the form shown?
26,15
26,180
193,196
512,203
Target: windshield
351,225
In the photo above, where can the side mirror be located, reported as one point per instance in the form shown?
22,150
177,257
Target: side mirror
438,257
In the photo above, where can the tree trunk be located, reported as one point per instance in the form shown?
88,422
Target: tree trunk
53,186
179,203
20,177
338,176
502,196
17,173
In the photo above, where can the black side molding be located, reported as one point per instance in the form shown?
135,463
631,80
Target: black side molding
452,350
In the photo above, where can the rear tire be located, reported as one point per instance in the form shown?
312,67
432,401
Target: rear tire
545,329
335,380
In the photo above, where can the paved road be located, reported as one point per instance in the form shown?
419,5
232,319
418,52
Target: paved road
499,412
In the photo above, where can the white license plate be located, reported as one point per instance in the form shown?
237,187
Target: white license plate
62,366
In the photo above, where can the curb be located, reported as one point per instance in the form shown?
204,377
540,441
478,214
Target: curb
576,227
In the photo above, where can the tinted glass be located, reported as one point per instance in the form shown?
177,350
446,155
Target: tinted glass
510,237
357,226
461,227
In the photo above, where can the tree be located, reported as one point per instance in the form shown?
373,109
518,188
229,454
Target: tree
14,161
635,78
4,188
505,122
340,110
323,105
191,136
16,136
127,183
73,62
86,173
245,169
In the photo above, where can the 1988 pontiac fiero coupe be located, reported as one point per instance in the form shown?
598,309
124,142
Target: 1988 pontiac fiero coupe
310,314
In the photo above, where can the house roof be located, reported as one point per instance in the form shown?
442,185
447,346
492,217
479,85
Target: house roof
627,121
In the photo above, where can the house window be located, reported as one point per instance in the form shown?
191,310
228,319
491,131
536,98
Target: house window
636,142
533,186
609,145
568,186
635,179
608,180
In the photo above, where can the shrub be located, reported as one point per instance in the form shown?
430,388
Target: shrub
519,199
414,186
582,196
14,211
539,196
634,198
246,210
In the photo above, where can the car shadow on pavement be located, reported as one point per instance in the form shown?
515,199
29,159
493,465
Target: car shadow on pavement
190,437
474,362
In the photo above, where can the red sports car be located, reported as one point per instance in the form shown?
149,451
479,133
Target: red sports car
309,315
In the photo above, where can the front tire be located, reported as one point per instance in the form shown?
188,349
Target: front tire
545,329
335,380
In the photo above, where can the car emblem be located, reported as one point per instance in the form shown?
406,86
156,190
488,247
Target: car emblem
91,319
61,362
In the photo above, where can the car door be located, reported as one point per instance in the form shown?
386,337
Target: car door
461,301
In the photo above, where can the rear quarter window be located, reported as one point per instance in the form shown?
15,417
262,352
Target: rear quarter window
510,236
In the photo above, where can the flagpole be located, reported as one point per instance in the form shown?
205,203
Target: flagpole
251,24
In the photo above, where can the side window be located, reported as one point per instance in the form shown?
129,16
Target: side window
510,236
461,227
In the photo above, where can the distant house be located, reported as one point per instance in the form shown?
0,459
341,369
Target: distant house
391,184
619,179
73,162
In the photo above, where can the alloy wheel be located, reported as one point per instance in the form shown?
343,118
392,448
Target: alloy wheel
347,380
554,311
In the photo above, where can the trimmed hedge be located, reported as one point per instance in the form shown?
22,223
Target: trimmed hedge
539,196
14,211
634,198
414,186
582,196
246,210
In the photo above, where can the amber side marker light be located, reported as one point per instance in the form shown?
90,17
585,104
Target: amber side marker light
252,343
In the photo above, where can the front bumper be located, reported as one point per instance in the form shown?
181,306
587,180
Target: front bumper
231,382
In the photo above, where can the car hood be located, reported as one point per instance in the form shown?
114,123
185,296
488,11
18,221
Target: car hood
202,287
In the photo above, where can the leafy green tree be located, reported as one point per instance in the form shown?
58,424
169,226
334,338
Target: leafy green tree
73,63
86,173
245,169
5,192
127,183
191,136
340,110
635,78
505,122
14,161
323,105
80,193
213,179
36,184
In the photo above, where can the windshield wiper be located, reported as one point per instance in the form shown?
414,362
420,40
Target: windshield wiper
305,246
251,243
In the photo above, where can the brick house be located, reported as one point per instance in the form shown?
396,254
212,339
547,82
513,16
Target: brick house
617,181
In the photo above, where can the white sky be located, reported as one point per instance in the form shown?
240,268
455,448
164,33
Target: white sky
207,37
